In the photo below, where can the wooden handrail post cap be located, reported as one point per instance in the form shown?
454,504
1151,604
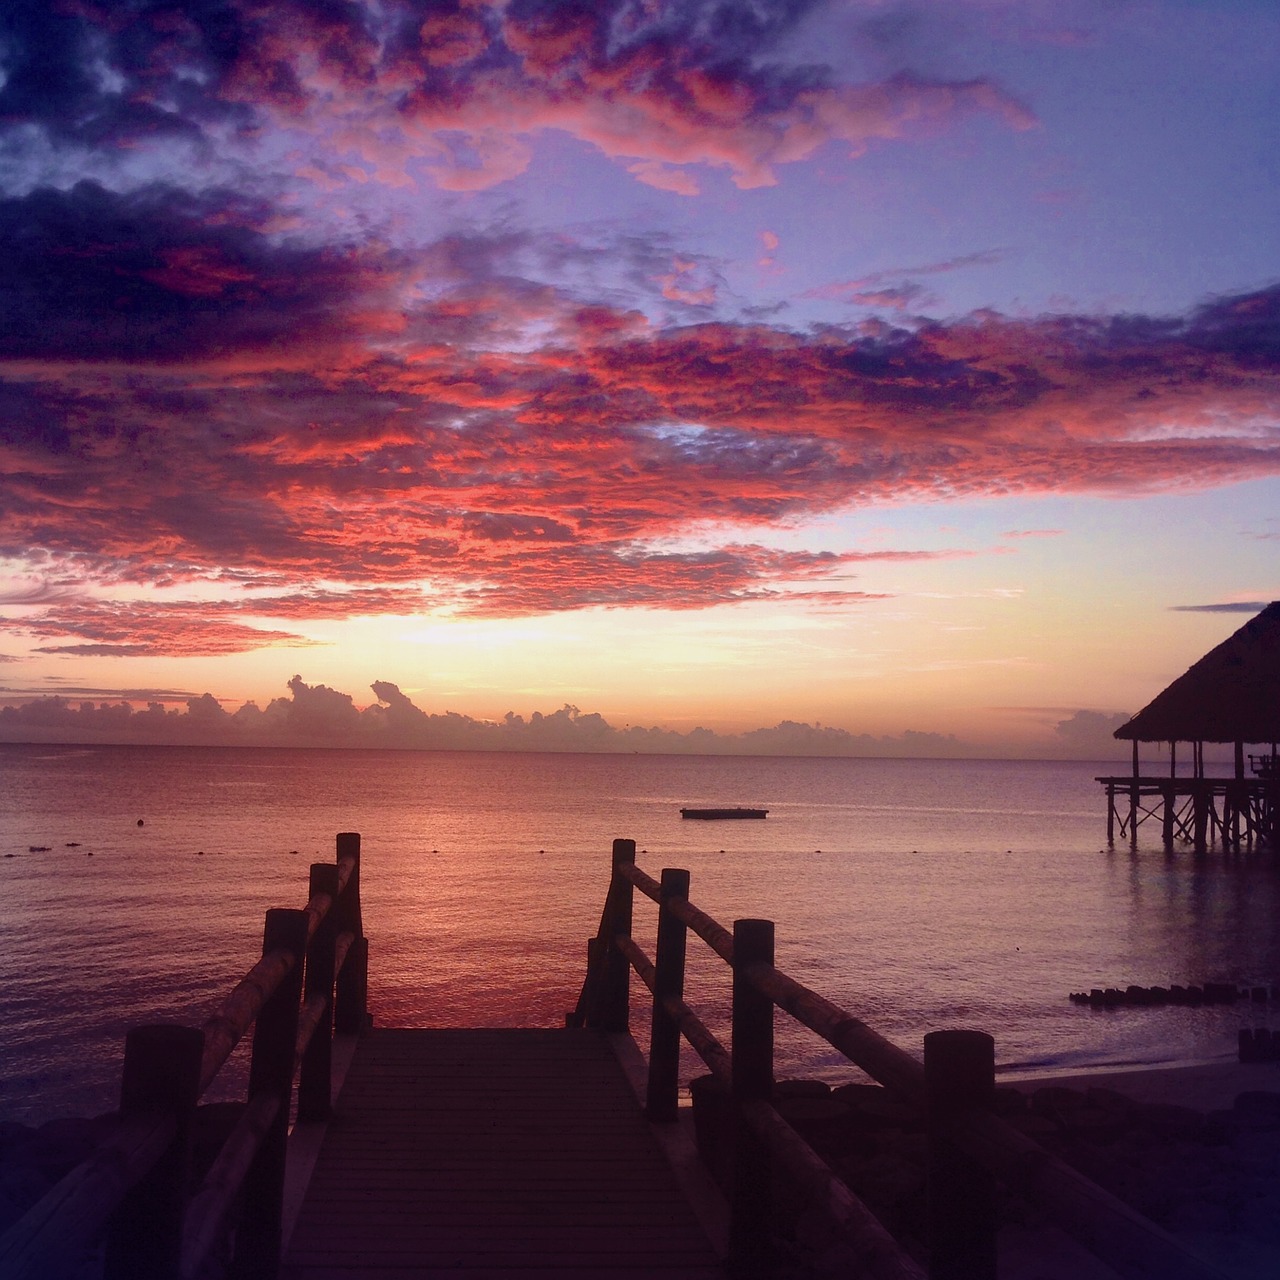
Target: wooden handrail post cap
959,1067
348,846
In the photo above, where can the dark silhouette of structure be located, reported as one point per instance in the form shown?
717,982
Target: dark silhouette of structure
1231,696
524,1151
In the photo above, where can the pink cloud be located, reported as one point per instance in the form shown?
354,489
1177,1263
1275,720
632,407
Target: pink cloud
125,629
655,174
681,285
894,287
466,92
302,420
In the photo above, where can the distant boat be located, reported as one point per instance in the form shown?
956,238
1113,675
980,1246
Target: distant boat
723,813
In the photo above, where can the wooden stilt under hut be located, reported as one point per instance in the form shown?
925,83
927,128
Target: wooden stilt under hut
1232,695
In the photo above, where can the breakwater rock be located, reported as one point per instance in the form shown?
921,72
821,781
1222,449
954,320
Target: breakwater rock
1134,996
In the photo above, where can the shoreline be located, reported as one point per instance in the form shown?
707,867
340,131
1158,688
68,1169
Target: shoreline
1203,1086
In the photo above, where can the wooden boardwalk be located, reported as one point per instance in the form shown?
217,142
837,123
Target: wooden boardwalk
492,1153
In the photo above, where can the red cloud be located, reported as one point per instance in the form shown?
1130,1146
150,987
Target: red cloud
517,444
156,630
581,577
663,87
399,85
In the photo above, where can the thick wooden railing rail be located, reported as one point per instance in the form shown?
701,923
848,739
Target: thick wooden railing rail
134,1190
969,1146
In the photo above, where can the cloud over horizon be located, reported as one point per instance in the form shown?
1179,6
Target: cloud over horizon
201,400
319,716
315,312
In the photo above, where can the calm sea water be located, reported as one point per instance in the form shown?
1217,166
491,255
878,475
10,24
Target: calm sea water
918,894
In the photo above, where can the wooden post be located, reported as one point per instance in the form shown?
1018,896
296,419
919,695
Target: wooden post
613,996
959,1068
1271,803
663,1098
315,1076
161,1075
275,1036
1169,797
1111,813
1238,794
351,997
750,1221
587,1001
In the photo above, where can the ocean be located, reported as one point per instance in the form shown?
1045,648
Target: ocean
918,894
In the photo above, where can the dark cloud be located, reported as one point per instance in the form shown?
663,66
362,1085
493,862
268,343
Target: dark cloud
325,603
65,689
637,577
512,527
896,288
1237,606
40,593
1090,733
1244,327
891,297
548,477
202,381
161,275
132,629
318,716
103,75
187,394
663,86
129,650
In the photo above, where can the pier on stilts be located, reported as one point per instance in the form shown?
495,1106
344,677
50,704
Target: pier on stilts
1232,813
1231,697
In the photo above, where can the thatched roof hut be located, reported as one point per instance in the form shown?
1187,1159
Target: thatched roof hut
1231,695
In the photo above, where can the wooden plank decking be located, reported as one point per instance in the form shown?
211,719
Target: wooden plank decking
492,1153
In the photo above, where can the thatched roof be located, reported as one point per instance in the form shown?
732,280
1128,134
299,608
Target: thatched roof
1231,695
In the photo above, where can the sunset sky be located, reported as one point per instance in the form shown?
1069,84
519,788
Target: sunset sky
894,367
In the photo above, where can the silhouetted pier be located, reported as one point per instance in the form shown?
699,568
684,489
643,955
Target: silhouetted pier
496,1153
1230,697
1233,813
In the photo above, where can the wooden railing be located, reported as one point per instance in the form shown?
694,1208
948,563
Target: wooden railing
134,1191
969,1147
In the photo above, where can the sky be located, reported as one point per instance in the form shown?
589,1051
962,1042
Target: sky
895,377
